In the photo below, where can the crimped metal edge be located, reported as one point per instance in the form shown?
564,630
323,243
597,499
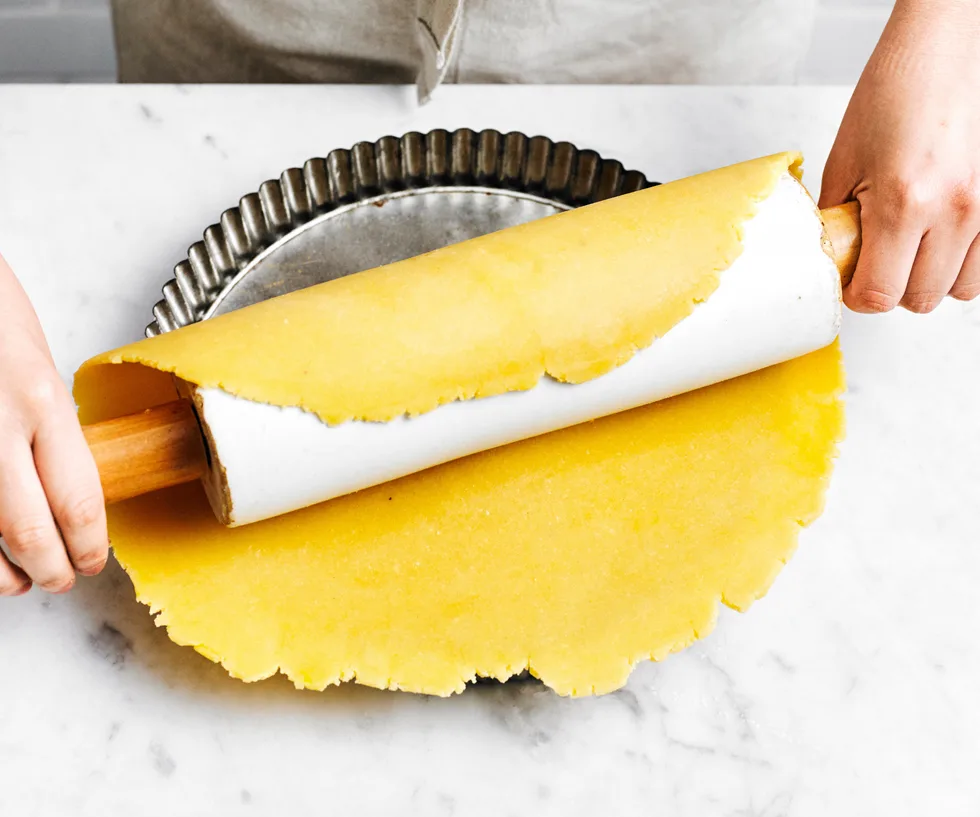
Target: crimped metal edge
536,165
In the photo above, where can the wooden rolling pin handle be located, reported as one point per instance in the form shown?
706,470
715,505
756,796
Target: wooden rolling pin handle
140,453
843,226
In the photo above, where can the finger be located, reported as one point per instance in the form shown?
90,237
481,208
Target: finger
837,184
26,521
71,483
13,580
937,264
889,242
966,287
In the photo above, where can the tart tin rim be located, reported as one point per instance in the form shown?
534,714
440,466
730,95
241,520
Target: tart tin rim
533,168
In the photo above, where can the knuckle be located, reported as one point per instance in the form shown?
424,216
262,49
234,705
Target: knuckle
90,559
964,200
81,511
58,583
43,392
12,586
921,302
966,293
13,424
29,537
907,199
879,298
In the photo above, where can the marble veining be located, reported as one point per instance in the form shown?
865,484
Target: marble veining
849,690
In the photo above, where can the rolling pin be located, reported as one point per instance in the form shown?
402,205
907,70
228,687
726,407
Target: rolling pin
780,299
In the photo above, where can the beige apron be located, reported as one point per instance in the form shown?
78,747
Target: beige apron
430,41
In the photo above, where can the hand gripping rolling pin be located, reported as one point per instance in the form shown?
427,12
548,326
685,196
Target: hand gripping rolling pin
780,299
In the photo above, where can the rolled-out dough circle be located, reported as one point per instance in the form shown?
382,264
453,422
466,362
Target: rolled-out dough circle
574,555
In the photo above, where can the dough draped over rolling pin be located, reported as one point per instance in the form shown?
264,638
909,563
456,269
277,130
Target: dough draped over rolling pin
574,554
571,296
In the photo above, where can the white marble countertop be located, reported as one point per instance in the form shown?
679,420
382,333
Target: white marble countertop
851,689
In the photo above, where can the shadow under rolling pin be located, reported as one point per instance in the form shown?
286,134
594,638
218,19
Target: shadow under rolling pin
165,446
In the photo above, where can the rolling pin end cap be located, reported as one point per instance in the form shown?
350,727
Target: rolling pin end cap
215,481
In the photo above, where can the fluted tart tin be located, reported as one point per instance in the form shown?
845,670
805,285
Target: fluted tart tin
377,203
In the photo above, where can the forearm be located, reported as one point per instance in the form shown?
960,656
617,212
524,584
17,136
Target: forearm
922,30
965,11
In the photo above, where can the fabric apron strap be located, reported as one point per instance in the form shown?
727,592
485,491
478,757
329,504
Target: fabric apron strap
438,24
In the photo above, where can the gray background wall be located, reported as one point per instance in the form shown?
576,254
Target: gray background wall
71,40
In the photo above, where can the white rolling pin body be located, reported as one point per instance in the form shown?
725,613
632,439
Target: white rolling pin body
779,300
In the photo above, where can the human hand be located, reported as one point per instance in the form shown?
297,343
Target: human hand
52,515
908,150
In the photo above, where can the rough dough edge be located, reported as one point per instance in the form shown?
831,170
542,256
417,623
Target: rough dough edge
788,161
698,631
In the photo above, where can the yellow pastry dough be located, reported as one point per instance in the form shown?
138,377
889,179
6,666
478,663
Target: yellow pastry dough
575,554
570,296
